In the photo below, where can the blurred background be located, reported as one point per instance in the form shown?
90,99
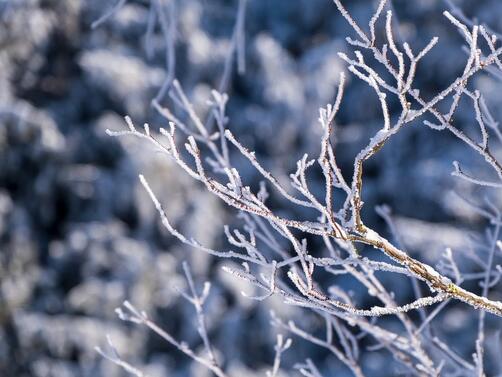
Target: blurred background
78,235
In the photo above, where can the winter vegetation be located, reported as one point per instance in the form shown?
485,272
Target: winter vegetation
292,273
295,230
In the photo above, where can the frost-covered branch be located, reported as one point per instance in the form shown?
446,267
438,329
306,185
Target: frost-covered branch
130,313
290,272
